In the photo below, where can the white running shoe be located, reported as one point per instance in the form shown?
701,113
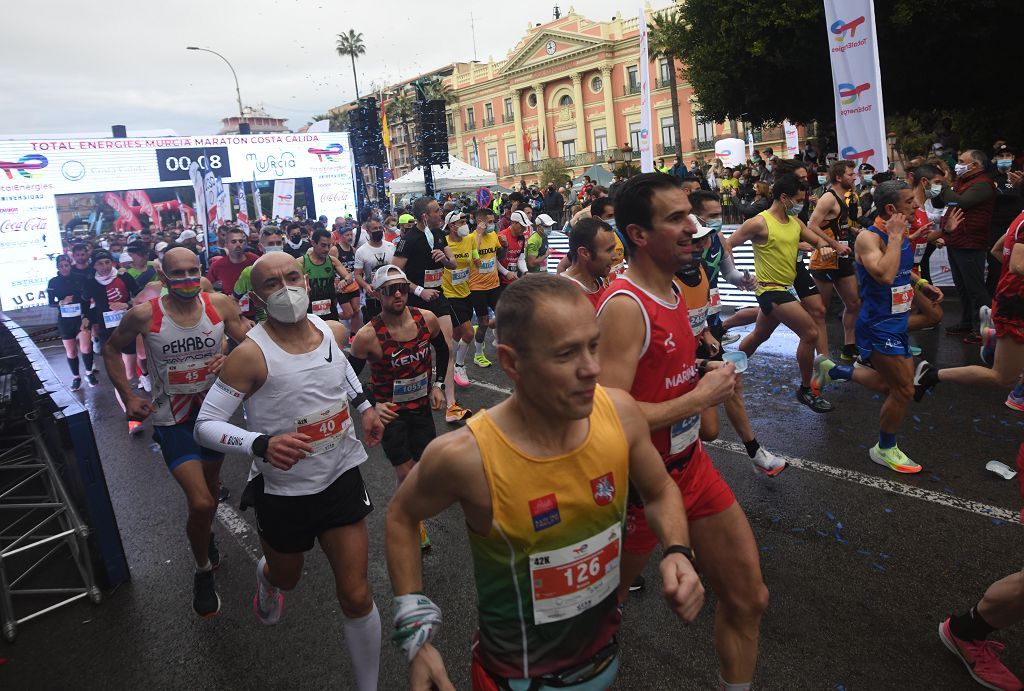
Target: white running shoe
460,375
144,383
766,462
728,338
267,604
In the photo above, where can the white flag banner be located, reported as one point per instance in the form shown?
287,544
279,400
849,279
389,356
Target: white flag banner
257,200
792,139
243,206
223,202
646,152
284,199
857,82
199,187
750,144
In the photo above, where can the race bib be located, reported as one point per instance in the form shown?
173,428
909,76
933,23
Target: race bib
188,377
432,278
902,296
792,291
487,266
113,318
698,319
714,301
325,427
575,578
683,434
410,389
844,243
71,310
243,303
460,276
321,307
919,251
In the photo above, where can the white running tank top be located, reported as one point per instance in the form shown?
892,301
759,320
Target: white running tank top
177,359
306,393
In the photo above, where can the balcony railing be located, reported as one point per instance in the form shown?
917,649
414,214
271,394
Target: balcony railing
662,83
507,117
576,161
451,130
488,122
667,150
470,126
630,89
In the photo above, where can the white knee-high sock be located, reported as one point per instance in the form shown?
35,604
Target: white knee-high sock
362,638
460,352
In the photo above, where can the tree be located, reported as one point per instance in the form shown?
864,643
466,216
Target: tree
435,89
339,120
554,170
351,44
663,37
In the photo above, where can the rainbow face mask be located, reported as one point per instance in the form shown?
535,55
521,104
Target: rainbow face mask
184,288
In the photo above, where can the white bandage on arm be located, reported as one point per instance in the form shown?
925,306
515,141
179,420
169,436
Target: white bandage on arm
212,428
417,620
730,273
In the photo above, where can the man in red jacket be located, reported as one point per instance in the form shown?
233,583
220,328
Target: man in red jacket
975,193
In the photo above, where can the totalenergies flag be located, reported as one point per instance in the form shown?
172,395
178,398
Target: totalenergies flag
385,132
857,81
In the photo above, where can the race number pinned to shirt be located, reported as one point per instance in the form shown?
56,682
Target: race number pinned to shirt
460,276
325,427
714,301
243,303
71,310
683,433
902,296
919,251
575,578
113,318
487,266
411,389
432,278
321,308
188,377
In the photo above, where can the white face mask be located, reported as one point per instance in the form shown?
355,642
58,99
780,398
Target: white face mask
961,168
273,248
463,230
288,305
933,191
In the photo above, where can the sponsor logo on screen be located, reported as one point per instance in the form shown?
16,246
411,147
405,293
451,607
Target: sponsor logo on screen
849,93
841,27
26,166
328,153
849,153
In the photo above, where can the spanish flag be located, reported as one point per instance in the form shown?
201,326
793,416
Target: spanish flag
384,129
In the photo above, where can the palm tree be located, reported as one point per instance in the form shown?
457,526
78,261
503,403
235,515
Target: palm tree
339,120
663,38
351,44
437,90
400,109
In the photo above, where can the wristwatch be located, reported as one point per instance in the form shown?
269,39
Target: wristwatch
259,447
681,549
439,384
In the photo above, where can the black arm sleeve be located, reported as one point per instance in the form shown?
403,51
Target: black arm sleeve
357,363
442,354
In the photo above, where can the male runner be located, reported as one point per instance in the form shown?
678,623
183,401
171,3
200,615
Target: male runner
271,240
375,253
321,268
885,263
81,266
832,217
225,269
546,545
513,242
140,268
423,257
591,255
461,242
484,281
348,297
775,235
647,347
183,334
304,483
65,293
537,246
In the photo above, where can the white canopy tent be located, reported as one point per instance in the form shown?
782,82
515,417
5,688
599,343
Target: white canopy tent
459,176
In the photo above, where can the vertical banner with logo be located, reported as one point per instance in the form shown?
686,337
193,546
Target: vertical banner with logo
750,144
284,198
223,201
257,198
199,187
243,206
646,152
860,119
792,139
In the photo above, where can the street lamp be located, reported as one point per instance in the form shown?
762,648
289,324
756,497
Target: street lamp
238,92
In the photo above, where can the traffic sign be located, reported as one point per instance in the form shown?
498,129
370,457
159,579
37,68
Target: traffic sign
483,197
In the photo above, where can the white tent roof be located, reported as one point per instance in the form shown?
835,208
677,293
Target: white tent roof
458,176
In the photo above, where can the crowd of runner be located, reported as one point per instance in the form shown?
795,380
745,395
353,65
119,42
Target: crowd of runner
618,367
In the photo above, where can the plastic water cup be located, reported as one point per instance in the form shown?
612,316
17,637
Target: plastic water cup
1001,469
738,358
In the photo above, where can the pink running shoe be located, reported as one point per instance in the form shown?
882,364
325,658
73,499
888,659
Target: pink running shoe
981,658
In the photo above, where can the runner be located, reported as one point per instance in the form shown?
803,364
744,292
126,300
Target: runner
296,245
529,531
397,344
775,234
377,252
647,347
423,257
65,293
140,268
225,269
537,247
484,281
322,270
81,264
183,334
513,242
349,297
591,256
461,242
832,217
885,263
304,483
271,240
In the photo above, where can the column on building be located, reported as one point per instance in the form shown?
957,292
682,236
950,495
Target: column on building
517,119
581,123
609,106
542,120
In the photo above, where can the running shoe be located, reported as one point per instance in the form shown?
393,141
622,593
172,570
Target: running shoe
820,377
267,603
985,315
924,380
915,351
981,658
205,600
455,413
863,364
93,380
959,330
213,553
849,354
894,459
1016,398
134,428
424,538
482,360
76,384
814,401
460,376
973,339
766,462
728,338
144,383
224,493
638,584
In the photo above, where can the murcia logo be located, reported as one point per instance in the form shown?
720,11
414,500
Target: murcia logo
603,489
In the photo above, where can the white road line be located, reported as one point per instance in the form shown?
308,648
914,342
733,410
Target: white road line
947,500
239,529
941,498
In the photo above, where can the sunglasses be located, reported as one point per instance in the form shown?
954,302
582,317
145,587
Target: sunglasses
395,289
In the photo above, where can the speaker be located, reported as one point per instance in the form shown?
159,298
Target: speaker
433,128
365,133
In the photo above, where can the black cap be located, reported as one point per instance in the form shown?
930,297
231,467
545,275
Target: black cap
137,248
1005,149
98,255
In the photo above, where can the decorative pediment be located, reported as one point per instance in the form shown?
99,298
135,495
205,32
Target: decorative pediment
549,47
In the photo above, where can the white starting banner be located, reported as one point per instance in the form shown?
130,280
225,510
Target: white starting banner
46,184
857,81
284,199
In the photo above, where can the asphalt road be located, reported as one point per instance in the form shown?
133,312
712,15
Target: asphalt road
862,564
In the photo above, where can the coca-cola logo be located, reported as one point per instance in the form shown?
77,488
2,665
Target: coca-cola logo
36,223
336,197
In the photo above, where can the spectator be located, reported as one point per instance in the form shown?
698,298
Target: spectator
678,170
616,181
1009,203
554,203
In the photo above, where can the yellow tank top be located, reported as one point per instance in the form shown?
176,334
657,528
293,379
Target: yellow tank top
547,571
485,276
775,260
455,282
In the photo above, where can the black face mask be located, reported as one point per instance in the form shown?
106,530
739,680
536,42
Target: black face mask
296,238
377,237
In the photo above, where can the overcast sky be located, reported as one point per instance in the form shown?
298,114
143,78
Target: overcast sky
74,66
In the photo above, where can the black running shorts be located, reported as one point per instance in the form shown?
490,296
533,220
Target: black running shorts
406,436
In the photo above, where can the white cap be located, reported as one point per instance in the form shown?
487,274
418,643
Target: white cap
452,217
125,258
702,231
186,235
544,220
386,274
160,246
520,218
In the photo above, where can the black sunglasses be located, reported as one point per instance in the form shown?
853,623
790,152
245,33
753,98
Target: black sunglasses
395,289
